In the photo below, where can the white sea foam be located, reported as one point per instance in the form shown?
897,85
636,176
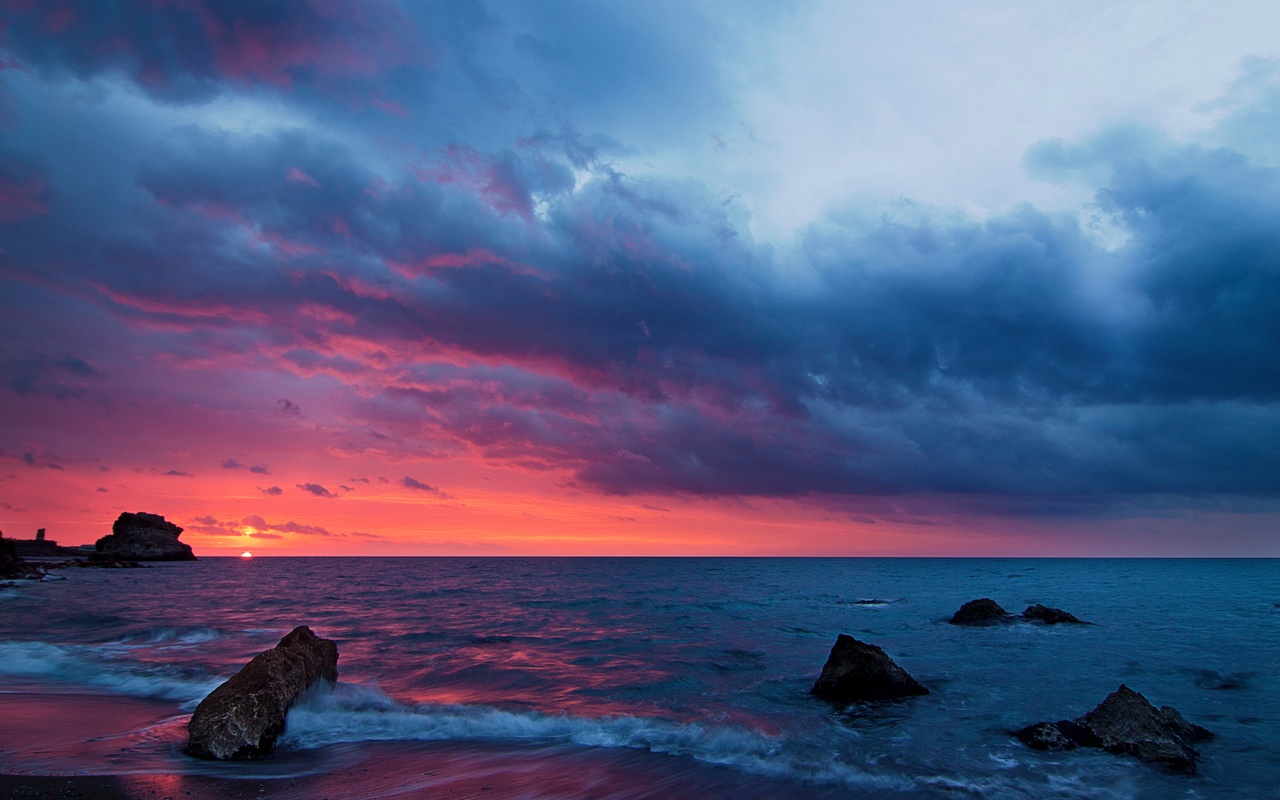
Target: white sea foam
97,667
183,635
351,713
360,713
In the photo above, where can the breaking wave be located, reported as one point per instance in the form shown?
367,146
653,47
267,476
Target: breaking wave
97,667
361,713
180,635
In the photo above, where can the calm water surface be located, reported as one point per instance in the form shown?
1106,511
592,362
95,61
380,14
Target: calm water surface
694,672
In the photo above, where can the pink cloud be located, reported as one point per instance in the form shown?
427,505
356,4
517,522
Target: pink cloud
289,247
295,175
333,40
470,258
389,106
490,178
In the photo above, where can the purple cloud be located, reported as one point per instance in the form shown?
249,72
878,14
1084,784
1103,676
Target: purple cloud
411,483
316,489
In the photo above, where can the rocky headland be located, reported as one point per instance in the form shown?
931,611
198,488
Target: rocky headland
143,537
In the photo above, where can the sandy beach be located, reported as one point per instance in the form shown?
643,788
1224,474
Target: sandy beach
48,728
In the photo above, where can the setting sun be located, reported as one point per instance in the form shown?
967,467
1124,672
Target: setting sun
246,554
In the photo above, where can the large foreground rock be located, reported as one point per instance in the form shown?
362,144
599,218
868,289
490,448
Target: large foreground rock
243,717
983,611
143,537
1125,723
859,671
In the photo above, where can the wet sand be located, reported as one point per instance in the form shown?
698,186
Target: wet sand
447,772
75,745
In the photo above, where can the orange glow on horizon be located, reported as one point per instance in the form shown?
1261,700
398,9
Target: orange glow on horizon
484,511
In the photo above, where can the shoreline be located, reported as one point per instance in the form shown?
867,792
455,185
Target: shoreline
43,757
136,787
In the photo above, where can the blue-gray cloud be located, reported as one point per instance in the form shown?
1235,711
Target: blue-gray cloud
629,332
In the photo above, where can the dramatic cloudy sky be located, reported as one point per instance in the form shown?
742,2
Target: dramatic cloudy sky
990,277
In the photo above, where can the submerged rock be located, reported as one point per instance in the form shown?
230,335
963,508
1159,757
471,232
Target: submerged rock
243,717
143,537
1051,616
1127,724
1045,736
859,671
983,611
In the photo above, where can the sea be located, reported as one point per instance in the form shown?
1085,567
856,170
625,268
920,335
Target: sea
651,677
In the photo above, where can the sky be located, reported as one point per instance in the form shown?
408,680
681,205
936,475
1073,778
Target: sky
918,278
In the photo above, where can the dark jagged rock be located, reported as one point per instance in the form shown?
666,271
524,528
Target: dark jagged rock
1045,736
243,717
143,537
858,671
1127,724
983,611
1221,681
1051,616
14,566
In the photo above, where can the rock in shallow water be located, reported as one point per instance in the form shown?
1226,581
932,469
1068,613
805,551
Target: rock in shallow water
983,611
243,717
1051,616
143,537
859,671
1125,723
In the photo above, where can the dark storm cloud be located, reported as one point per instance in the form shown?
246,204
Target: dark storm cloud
478,292
35,373
186,52
657,352
24,186
930,354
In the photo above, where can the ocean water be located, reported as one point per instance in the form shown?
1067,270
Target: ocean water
664,677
